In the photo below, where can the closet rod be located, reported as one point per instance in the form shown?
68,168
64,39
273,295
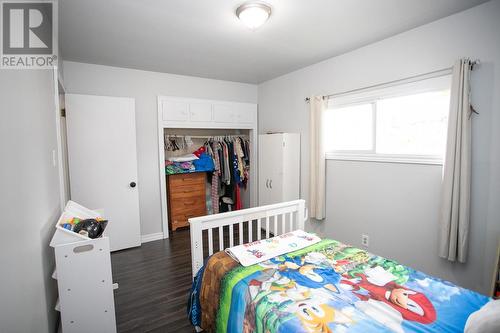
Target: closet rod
419,77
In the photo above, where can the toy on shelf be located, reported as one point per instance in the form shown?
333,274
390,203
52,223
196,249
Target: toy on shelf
78,223
91,228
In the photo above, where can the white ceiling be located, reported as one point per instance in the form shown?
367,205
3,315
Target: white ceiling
204,38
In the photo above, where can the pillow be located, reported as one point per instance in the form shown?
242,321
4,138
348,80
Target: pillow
485,320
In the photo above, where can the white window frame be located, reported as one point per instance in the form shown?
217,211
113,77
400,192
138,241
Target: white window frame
427,83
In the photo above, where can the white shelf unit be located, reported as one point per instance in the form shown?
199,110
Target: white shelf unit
84,278
194,113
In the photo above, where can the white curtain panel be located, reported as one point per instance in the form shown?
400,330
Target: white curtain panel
317,158
455,201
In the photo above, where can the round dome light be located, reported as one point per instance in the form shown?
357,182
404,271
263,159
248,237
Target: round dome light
253,15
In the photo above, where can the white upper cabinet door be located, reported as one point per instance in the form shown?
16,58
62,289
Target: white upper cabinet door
245,114
224,113
201,112
175,111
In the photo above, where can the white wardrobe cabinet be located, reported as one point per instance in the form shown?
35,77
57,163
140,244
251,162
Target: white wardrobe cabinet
279,167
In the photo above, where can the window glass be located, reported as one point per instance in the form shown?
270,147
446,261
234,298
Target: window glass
412,125
349,128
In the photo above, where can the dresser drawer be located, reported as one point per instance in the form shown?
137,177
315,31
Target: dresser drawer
179,216
187,205
184,215
193,192
186,179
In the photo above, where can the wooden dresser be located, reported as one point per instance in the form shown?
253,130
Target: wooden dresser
186,198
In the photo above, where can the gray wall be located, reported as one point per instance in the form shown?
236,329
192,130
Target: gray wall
145,87
397,204
29,201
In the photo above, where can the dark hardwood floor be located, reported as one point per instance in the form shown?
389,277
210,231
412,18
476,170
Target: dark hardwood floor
154,282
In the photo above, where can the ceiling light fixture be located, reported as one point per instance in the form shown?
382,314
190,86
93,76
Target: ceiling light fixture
253,14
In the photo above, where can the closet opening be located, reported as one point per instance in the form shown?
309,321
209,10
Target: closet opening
206,171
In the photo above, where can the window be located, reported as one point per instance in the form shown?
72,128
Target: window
404,123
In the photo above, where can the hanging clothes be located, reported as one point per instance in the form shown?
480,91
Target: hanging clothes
239,155
226,159
227,167
238,204
238,175
231,170
215,177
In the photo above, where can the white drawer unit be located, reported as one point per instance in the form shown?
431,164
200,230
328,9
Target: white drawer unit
178,112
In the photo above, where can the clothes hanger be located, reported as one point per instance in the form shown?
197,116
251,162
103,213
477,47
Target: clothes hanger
167,142
173,141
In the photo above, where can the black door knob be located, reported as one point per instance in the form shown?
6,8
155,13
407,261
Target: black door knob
133,184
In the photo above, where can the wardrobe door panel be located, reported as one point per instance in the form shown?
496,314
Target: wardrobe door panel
175,111
201,112
270,168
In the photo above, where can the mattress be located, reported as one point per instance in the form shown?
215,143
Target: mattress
326,287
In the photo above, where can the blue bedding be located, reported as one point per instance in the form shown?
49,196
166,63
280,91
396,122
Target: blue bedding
333,287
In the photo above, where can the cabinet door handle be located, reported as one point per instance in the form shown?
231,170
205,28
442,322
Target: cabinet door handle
267,183
270,183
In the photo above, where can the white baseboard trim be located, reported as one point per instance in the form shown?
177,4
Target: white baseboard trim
151,237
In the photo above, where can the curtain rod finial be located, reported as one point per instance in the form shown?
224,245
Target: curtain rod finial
308,99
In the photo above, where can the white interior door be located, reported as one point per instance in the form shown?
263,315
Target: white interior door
103,162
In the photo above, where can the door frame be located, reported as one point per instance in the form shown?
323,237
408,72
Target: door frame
162,125
58,85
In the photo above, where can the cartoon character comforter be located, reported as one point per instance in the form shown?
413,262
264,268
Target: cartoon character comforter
327,287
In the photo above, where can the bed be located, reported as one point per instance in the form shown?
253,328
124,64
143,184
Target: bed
325,287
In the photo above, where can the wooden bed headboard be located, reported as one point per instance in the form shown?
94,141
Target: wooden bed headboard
275,219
